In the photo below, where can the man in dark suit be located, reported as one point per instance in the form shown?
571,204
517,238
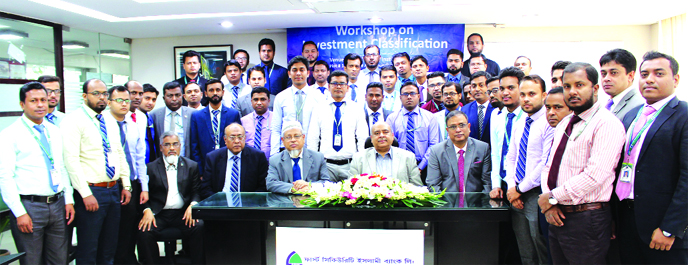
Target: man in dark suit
447,158
293,169
192,74
174,117
479,111
235,168
373,107
207,125
276,78
173,189
653,181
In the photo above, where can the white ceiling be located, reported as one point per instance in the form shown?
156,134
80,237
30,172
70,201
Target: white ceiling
208,14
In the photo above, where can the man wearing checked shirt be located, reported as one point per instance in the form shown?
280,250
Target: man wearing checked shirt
95,161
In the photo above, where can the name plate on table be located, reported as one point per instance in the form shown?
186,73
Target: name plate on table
348,246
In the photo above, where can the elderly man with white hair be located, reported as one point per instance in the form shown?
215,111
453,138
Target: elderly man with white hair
293,169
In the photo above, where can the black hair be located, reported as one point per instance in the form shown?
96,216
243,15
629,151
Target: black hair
538,80
233,62
28,87
352,57
513,72
419,57
248,58
297,59
189,54
409,83
214,81
48,79
371,46
556,90
388,68
456,86
256,68
374,84
622,57
590,71
479,74
479,56
321,62
559,65
260,89
171,85
191,84
400,54
308,42
336,74
437,74
492,79
150,88
454,113
651,55
266,41
475,34
85,86
455,51
116,88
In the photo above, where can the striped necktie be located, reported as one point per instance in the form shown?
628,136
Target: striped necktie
481,117
522,152
127,151
234,184
51,118
235,96
109,170
410,130
257,136
216,127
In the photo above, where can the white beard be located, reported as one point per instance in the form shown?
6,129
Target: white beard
171,159
294,153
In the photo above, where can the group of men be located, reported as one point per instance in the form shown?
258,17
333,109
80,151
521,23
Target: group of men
126,173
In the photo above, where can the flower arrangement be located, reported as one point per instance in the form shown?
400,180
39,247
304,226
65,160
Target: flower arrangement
374,191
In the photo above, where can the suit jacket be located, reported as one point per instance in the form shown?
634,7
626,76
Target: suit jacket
631,100
471,110
201,83
188,183
245,107
158,116
280,175
404,165
444,174
385,114
201,131
254,169
661,174
276,78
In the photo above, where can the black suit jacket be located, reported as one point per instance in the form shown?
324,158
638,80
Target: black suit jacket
254,169
201,82
385,113
661,174
188,182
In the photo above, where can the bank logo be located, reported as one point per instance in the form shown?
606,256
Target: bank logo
294,259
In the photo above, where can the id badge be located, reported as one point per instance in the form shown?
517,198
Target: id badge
626,172
55,176
338,140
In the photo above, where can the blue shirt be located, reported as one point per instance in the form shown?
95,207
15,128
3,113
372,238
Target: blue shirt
426,134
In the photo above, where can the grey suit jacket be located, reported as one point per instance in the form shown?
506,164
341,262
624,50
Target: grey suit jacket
158,116
244,105
444,174
631,100
280,173
404,165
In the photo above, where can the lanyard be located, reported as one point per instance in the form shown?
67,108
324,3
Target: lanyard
45,149
506,121
334,111
300,109
102,135
632,141
585,125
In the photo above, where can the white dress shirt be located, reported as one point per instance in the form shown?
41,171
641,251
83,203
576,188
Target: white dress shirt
365,74
616,99
498,121
174,199
314,88
392,101
180,126
228,97
361,84
284,109
371,118
354,130
22,167
137,147
539,145
300,163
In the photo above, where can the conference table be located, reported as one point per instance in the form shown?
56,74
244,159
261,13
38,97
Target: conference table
242,231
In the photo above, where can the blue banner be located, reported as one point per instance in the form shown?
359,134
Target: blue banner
431,41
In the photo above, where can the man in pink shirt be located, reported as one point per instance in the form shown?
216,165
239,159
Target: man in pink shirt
257,123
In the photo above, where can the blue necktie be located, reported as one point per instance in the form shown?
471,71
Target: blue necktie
505,144
322,89
296,170
109,170
123,139
453,79
337,126
234,183
150,139
353,92
216,127
410,130
376,115
405,80
481,117
235,96
51,118
46,151
259,132
522,150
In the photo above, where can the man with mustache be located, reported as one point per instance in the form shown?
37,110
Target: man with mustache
475,45
617,69
495,95
479,111
193,96
53,85
454,67
310,51
435,82
174,117
206,125
371,57
276,78
192,74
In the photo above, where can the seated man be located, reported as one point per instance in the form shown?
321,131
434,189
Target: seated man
460,163
294,168
384,159
234,168
172,188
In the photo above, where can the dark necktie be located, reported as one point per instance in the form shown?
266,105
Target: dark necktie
481,119
337,127
505,144
51,118
522,152
296,170
151,152
556,160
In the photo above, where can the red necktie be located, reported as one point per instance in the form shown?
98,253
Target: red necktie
133,116
460,165
556,161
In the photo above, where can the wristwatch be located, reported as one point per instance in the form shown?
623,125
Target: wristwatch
552,200
667,234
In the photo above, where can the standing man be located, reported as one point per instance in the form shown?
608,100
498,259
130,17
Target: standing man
454,67
502,126
495,96
54,87
337,130
241,56
257,123
451,96
137,116
388,78
256,79
556,106
420,68
480,110
435,82
150,96
557,72
276,77
653,212
234,88
206,125
373,109
532,138
296,104
415,128
174,117
38,194
95,160
193,96
617,68
310,51
352,67
523,63
402,63
475,45
371,56
321,71
577,180
192,68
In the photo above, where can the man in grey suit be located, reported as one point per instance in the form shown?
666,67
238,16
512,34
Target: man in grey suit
445,162
386,160
174,117
296,167
617,69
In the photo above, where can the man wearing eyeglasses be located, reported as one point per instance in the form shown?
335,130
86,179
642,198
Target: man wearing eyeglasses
174,117
435,82
416,129
52,85
451,97
235,167
371,57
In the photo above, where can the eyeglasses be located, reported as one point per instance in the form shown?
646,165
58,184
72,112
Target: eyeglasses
99,94
121,100
235,137
167,145
338,84
450,94
371,54
56,91
435,85
292,137
460,126
493,91
409,94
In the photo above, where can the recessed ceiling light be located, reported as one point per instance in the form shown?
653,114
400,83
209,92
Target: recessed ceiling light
9,34
71,45
375,20
226,24
115,53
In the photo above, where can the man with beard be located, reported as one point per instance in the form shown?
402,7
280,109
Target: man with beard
435,82
502,126
451,96
495,95
310,51
54,88
243,58
192,74
276,78
475,45
371,57
174,117
206,125
576,190
454,67
321,71
402,63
